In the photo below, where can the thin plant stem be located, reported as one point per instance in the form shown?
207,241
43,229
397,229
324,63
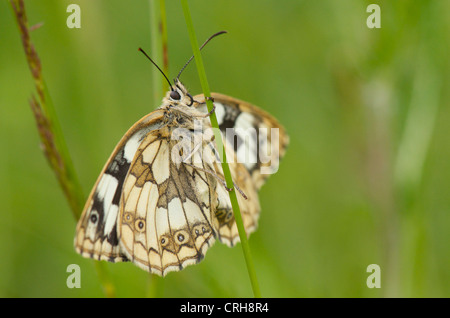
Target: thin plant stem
420,123
52,139
412,153
159,53
159,50
220,147
164,43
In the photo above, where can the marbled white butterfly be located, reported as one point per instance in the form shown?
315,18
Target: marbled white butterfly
160,200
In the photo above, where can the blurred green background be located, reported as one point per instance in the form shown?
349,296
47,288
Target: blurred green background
365,180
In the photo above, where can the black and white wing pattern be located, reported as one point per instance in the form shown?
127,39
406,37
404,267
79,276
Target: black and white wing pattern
255,142
249,206
167,209
149,209
97,236
256,137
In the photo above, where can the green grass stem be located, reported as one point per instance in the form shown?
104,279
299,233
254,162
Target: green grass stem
159,54
220,147
159,50
52,139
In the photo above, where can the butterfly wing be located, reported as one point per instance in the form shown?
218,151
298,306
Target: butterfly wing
96,235
249,206
256,137
167,219
255,142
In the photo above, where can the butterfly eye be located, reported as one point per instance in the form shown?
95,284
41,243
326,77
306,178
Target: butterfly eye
175,95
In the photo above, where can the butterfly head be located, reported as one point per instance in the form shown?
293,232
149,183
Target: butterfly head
178,96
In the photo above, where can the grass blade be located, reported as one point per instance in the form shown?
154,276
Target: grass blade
220,146
52,140
159,53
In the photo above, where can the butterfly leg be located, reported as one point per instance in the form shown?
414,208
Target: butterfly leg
210,112
220,179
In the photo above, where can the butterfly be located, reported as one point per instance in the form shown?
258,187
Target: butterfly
161,200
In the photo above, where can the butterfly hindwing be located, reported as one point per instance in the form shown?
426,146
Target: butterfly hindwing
257,138
166,217
248,205
255,142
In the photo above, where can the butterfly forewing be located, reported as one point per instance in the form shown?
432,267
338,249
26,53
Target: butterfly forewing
96,235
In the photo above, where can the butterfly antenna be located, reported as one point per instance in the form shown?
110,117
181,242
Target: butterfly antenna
170,85
209,39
